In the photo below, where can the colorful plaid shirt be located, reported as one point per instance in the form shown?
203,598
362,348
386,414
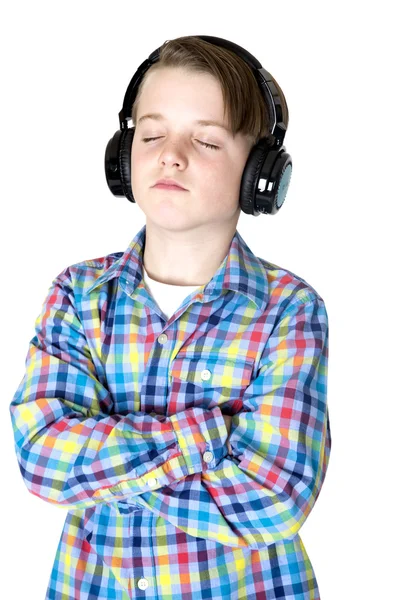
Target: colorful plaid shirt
119,420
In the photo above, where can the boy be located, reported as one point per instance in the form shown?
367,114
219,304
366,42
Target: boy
174,399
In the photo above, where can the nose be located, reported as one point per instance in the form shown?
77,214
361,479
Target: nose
172,154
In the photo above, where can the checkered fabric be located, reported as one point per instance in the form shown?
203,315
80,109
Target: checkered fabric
119,420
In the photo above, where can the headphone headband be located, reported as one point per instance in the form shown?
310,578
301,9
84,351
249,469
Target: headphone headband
267,87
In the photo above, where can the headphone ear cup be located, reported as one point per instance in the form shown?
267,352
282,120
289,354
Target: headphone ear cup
272,165
250,176
125,151
117,163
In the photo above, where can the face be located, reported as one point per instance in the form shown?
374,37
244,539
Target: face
211,176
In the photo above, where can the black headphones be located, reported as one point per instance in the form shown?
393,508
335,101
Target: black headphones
267,172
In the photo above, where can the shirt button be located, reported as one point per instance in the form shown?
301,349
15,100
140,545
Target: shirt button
143,584
162,338
152,481
205,375
208,456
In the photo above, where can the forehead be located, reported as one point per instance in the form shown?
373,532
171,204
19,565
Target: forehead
175,92
201,122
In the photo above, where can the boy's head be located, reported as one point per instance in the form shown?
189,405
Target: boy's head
195,80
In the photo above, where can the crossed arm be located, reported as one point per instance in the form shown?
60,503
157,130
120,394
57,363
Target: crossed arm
73,450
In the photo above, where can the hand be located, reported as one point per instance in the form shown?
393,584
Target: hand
228,424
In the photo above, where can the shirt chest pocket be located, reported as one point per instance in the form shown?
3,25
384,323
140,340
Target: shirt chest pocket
210,380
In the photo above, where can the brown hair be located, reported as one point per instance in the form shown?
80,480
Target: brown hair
242,98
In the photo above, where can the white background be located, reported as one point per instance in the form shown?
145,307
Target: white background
65,69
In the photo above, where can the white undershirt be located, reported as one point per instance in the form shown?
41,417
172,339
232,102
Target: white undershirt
167,296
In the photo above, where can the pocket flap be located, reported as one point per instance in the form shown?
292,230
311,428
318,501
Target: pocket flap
220,371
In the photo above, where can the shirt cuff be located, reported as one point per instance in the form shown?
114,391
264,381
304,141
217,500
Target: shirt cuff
201,435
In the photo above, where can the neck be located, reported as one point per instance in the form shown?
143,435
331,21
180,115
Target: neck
189,257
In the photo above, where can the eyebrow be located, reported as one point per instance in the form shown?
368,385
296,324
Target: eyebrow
204,122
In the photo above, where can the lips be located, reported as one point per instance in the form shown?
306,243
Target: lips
168,184
163,186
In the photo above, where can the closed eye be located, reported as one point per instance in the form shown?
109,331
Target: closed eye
212,146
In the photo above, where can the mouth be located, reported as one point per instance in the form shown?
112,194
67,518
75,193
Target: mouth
164,186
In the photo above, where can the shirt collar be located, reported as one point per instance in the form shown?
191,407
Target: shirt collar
240,271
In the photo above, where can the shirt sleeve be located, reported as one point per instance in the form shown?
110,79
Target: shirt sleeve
72,449
281,441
